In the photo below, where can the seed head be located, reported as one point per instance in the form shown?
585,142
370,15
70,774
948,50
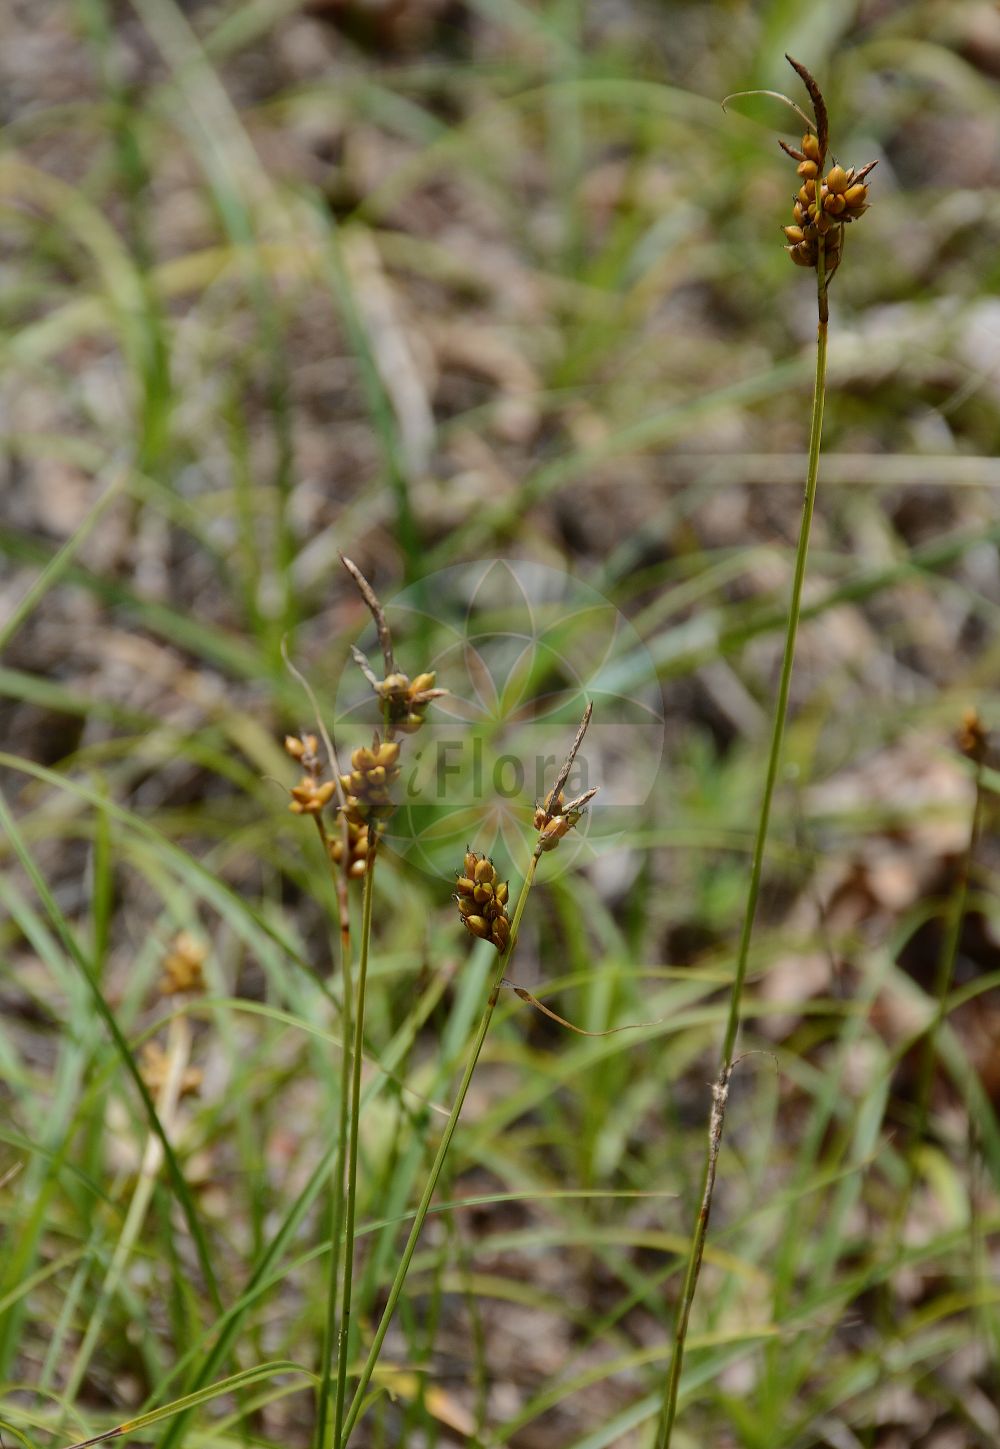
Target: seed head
973,737
357,848
304,748
406,700
824,204
309,796
182,966
555,818
482,900
368,785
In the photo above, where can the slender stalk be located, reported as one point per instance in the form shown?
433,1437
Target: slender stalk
720,1090
336,1214
343,1347
357,1403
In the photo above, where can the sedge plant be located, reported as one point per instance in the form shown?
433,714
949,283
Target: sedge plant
362,800
829,199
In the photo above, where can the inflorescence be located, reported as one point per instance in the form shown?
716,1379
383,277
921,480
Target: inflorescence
842,193
364,800
482,900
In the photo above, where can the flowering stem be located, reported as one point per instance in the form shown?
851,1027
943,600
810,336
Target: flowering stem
721,1088
343,1349
336,1215
357,1403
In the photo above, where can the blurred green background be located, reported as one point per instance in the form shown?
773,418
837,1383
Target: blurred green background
438,284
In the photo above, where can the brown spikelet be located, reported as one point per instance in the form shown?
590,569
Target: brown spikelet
367,787
973,736
555,816
182,966
482,900
356,852
406,700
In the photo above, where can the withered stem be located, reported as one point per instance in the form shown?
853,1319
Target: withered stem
563,775
377,612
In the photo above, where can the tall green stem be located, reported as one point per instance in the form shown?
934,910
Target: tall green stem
343,1349
721,1088
336,1215
357,1403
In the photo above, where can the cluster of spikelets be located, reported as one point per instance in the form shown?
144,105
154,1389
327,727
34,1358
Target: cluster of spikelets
356,852
556,818
363,795
482,900
405,700
481,897
843,197
973,737
368,785
183,966
366,796
312,794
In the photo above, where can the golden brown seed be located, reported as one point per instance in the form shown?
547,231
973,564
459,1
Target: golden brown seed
394,684
810,146
478,926
837,179
807,170
856,196
794,234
